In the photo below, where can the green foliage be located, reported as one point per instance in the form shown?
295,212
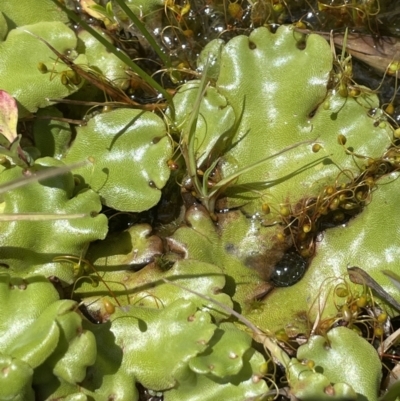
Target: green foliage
248,134
131,249
146,288
283,101
188,331
122,56
230,246
3,27
16,293
42,337
214,112
128,149
232,385
30,246
375,230
52,136
147,359
311,385
18,71
16,380
342,357
191,335
106,64
229,344
22,12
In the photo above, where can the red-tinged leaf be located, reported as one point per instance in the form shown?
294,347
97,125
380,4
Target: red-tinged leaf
8,119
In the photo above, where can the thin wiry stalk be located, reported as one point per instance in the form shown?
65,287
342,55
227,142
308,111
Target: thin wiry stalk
41,216
40,175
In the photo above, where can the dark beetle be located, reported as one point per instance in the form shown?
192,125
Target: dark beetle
289,270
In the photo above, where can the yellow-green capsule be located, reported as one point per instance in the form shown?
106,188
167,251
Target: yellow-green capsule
280,237
378,331
354,92
64,79
362,301
235,10
281,335
338,217
346,313
300,25
278,8
330,190
106,109
341,139
341,292
343,90
265,208
361,195
42,68
389,108
309,363
109,306
285,210
393,67
74,77
334,203
316,147
382,317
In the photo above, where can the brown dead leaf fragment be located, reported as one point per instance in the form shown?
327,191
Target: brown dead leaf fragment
375,52
360,276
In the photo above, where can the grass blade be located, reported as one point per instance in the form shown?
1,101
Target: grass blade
139,24
189,135
40,175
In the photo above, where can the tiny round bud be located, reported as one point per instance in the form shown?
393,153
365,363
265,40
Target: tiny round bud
285,210
389,108
265,208
316,147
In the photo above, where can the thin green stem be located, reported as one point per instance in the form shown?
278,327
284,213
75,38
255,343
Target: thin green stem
189,135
